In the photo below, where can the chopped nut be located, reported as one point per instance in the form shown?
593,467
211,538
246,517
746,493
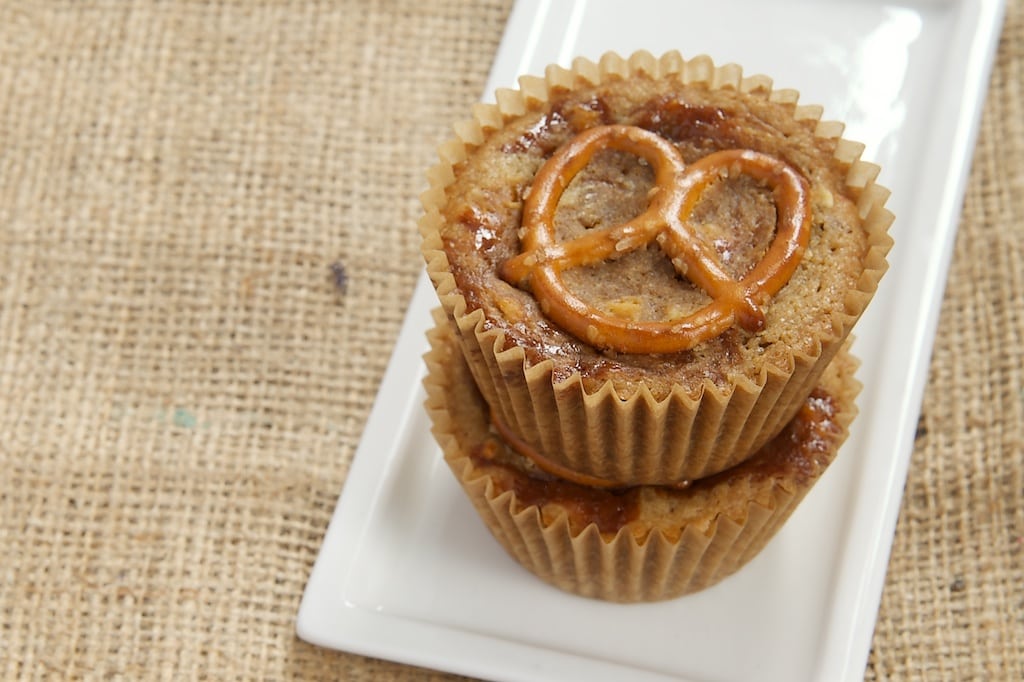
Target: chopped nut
822,197
674,312
624,244
628,307
511,309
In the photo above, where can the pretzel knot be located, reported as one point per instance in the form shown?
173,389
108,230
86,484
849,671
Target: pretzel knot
678,190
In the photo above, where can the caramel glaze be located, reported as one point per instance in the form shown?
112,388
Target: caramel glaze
609,508
707,129
796,456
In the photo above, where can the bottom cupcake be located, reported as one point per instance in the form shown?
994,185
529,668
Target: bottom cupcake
646,543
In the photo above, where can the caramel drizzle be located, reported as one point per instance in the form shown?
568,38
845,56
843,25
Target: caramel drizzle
678,189
555,469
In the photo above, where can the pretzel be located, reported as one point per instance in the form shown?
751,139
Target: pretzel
678,189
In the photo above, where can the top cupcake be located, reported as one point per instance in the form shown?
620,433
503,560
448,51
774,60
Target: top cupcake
638,280
648,263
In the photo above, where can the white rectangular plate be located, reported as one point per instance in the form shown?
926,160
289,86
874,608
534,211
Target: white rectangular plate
408,572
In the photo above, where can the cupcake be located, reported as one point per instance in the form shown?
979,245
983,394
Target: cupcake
649,262
643,543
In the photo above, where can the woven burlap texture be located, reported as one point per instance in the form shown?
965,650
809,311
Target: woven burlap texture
207,244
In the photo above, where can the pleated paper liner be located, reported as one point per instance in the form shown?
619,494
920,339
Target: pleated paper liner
679,542
645,438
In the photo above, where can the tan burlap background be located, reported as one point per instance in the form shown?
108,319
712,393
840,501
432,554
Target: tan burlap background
183,382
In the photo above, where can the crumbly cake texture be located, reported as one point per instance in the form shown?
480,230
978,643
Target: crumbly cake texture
649,418
642,544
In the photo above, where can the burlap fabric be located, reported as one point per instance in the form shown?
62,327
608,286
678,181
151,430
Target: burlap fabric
207,244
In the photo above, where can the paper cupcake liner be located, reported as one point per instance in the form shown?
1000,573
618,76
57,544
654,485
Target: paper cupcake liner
644,438
631,565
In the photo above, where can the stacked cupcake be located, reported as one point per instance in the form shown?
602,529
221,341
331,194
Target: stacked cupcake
648,271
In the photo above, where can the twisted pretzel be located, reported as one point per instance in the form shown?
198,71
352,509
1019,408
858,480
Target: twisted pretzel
678,189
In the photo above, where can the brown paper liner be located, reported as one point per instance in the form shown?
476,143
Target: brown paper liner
644,439
634,564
